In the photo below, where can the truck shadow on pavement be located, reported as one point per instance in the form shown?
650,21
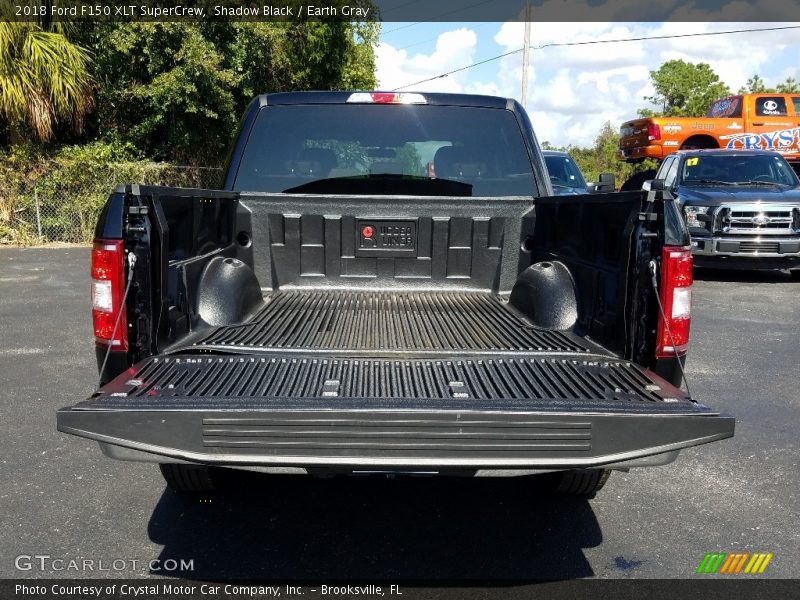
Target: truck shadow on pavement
369,528
742,276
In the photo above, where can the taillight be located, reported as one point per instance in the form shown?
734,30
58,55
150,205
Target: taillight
386,98
108,276
653,131
676,298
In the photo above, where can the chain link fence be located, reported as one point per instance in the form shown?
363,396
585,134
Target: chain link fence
55,208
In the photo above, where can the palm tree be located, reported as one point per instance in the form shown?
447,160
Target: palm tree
44,79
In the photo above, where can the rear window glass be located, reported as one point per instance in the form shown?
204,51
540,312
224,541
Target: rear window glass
386,149
771,106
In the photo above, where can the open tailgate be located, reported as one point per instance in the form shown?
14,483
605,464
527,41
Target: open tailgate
458,412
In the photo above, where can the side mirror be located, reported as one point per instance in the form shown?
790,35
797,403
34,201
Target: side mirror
647,185
607,183
608,180
657,185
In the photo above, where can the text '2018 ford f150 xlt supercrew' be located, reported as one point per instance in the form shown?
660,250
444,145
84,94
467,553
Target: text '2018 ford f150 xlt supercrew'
386,284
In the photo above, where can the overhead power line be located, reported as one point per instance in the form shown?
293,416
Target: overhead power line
477,64
665,37
586,43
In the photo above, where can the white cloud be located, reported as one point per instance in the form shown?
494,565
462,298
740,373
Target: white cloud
573,90
454,49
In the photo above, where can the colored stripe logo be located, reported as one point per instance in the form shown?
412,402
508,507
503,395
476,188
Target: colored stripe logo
734,563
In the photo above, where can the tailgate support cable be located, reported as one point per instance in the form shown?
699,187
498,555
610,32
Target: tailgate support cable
654,282
131,263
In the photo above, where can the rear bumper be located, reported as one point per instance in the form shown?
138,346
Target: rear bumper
396,439
655,151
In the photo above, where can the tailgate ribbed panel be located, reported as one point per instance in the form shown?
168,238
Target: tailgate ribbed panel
309,377
483,433
384,321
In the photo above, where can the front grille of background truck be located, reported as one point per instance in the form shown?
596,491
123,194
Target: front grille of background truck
757,219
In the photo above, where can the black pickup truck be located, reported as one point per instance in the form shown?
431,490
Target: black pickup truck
386,284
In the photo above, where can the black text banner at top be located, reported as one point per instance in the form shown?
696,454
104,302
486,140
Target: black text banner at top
406,11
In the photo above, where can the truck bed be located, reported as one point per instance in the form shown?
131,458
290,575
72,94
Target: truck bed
391,380
388,323
397,358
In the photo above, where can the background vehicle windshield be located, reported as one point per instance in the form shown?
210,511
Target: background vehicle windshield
397,148
700,170
564,172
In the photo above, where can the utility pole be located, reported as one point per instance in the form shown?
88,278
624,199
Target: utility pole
526,47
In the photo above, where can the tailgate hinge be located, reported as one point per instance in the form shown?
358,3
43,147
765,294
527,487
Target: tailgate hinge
648,217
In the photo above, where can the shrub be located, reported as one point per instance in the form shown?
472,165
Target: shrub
70,186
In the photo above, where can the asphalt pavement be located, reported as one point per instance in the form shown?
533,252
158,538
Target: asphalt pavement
61,498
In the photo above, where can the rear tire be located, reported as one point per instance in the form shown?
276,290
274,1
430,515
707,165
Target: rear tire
795,274
188,479
582,482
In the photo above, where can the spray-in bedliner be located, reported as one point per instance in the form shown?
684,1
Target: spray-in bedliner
380,322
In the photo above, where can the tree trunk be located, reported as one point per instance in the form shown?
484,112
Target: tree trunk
16,131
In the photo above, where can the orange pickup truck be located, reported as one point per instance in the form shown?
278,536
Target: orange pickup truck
749,121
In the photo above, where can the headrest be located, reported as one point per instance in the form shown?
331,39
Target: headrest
314,161
454,161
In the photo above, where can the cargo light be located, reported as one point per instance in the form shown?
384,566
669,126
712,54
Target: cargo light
108,274
676,297
653,131
386,98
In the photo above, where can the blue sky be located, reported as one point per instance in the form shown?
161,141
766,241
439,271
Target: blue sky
572,91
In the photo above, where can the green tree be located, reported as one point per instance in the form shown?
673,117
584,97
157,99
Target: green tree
546,145
44,80
177,90
789,86
602,157
358,72
165,88
685,89
755,85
